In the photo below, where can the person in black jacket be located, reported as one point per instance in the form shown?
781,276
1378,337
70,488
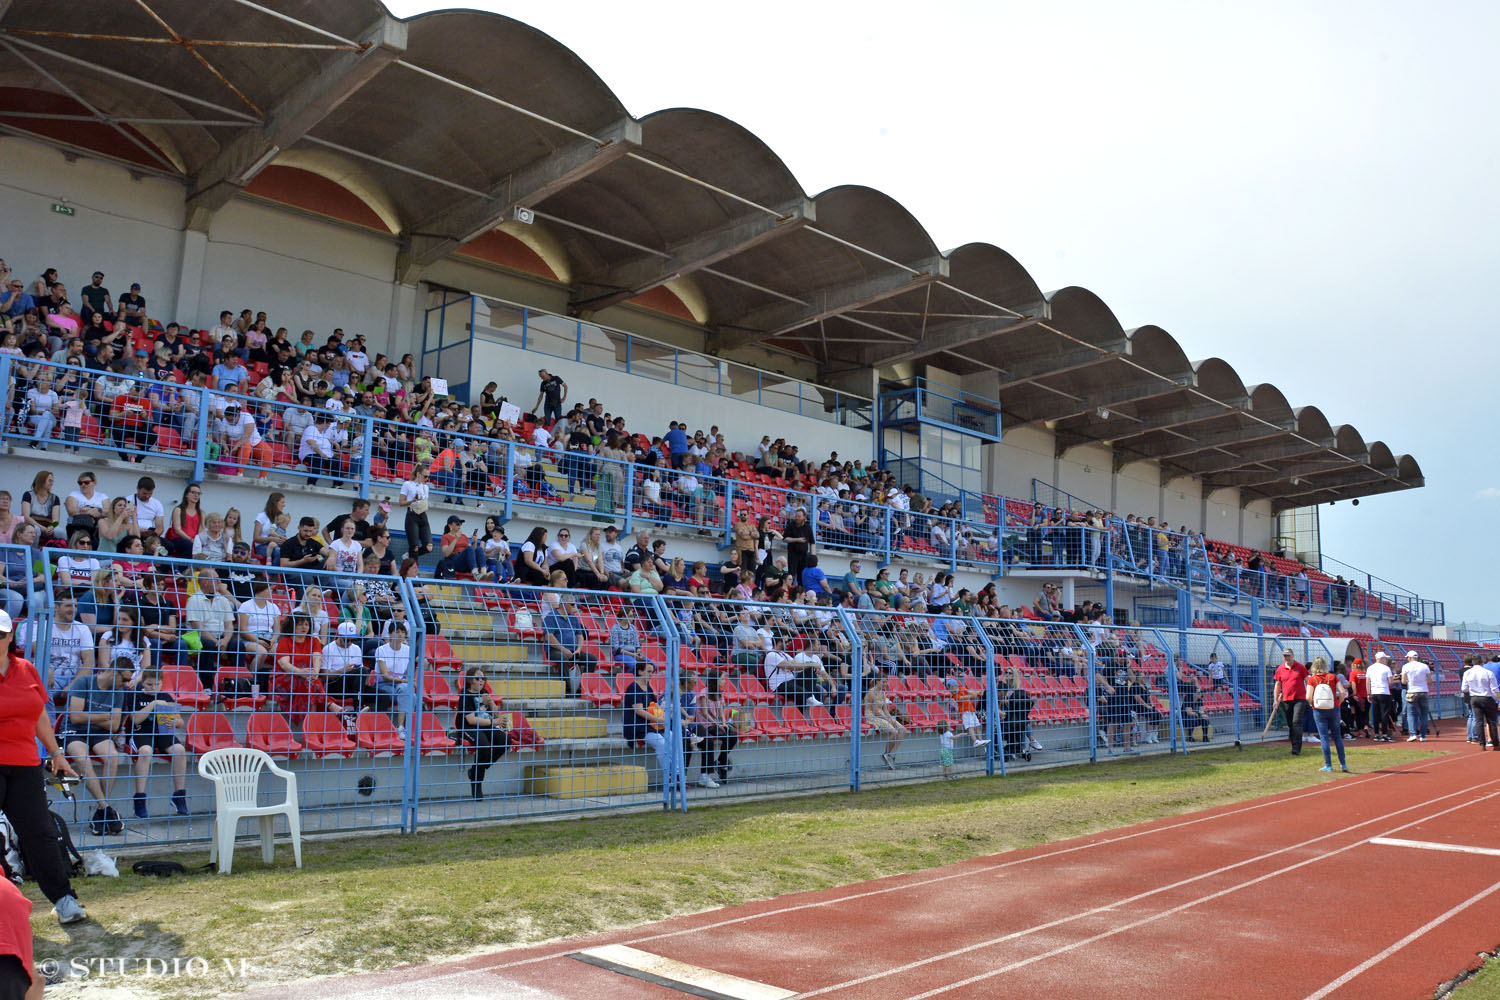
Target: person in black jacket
1015,707
482,725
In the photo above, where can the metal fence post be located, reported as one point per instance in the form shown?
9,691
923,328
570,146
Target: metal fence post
856,692
629,516
510,477
411,773
991,697
367,454
885,539
1093,706
5,395
1174,701
200,445
674,783
728,514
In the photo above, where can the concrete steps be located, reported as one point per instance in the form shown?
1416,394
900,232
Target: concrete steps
604,781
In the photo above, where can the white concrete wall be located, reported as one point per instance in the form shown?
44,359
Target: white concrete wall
1260,525
129,229
304,273
1084,472
1139,490
1024,454
1183,503
648,405
1223,519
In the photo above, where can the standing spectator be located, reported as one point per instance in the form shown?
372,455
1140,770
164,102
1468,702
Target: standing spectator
1359,696
1216,671
1481,687
553,392
799,543
414,494
1416,677
1328,693
1291,691
23,723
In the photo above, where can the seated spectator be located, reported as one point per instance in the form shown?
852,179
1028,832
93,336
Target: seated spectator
797,678
877,709
303,550
562,556
155,721
210,618
392,665
298,674
563,636
343,664
591,573
814,579
625,640
259,621
482,725
530,563
94,720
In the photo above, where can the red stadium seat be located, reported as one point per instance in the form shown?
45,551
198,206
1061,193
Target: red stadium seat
436,691
209,731
377,735
325,735
269,731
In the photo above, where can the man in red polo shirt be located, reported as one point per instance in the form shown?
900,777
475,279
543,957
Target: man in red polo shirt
18,977
1291,691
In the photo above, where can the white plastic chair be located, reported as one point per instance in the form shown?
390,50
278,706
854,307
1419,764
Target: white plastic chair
235,772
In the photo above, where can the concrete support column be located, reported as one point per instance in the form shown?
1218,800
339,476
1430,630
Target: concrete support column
190,278
401,324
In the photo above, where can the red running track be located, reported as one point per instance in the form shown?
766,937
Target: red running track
1281,897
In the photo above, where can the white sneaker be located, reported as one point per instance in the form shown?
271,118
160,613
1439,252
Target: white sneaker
1412,738
401,733
68,911
707,782
1422,739
890,760
814,701
981,743
1035,745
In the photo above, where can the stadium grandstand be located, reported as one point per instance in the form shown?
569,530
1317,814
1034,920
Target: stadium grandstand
428,421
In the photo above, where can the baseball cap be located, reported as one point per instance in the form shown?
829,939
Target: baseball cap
242,546
135,286
6,625
348,629
454,519
1411,654
142,354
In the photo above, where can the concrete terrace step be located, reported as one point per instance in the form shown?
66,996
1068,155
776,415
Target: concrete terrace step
523,688
586,782
569,727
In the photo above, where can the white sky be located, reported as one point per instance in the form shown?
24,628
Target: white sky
1308,190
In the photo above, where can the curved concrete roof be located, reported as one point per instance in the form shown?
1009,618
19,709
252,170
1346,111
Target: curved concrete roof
452,119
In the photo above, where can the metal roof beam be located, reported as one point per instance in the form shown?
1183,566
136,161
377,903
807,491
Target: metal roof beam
826,303
308,103
1178,447
1302,470
435,237
1171,420
1137,392
1276,452
640,274
1367,477
1331,493
961,333
1063,363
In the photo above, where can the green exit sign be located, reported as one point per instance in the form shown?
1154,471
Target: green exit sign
64,209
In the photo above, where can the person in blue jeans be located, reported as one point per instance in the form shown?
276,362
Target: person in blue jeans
1417,676
1325,709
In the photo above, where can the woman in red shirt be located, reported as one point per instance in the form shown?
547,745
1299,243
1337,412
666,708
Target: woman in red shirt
23,721
1359,698
299,660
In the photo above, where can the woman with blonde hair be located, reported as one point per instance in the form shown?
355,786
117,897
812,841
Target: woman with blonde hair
1326,691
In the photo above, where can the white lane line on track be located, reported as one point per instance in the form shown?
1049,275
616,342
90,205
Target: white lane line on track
1193,902
1107,907
1376,959
691,979
1433,845
1333,786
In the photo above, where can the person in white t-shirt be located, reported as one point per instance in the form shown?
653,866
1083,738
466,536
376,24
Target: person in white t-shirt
1382,705
344,553
71,650
562,554
150,515
259,620
315,451
414,493
239,435
392,664
344,665
1416,677
43,407
541,437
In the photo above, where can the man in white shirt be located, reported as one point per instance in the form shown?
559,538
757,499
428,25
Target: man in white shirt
1481,687
344,665
1416,676
150,515
541,437
1382,705
71,651
315,450
356,356
237,430
259,620
210,614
